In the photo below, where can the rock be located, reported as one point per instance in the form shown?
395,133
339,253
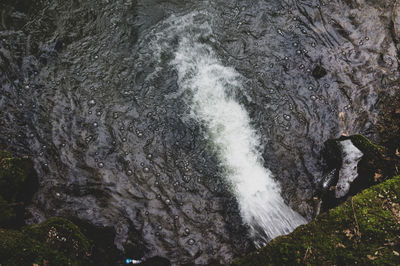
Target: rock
319,72
348,171
18,183
346,177
396,21
364,226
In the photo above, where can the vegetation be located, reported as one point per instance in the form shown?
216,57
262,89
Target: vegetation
56,241
18,183
365,230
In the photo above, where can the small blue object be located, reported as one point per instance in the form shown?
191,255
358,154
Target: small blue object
128,261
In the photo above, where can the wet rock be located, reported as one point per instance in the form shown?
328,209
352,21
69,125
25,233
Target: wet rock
388,124
103,250
396,20
156,261
363,231
18,183
375,165
319,72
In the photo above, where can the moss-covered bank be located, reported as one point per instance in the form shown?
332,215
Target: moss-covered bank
18,183
56,241
365,230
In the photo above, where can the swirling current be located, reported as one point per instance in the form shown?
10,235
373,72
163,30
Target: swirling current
193,128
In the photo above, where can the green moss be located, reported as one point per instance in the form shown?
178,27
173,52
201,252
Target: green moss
365,145
18,182
364,230
57,241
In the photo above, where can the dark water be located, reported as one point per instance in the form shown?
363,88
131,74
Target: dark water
84,91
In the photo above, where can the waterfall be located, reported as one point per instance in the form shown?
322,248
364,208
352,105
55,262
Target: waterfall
236,143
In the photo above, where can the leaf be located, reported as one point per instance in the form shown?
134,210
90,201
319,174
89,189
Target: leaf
377,176
396,253
370,257
340,245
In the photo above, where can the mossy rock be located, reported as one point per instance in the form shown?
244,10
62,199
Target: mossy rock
365,230
18,183
56,241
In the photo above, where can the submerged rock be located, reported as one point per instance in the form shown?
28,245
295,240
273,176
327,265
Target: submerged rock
364,230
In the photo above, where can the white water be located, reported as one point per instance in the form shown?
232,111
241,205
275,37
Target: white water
212,86
348,173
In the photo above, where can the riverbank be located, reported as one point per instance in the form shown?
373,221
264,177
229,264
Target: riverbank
364,230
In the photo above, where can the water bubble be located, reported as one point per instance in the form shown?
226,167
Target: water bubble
123,139
313,97
92,102
149,156
168,201
98,113
187,231
313,44
146,169
100,165
287,117
146,213
191,241
95,124
129,172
